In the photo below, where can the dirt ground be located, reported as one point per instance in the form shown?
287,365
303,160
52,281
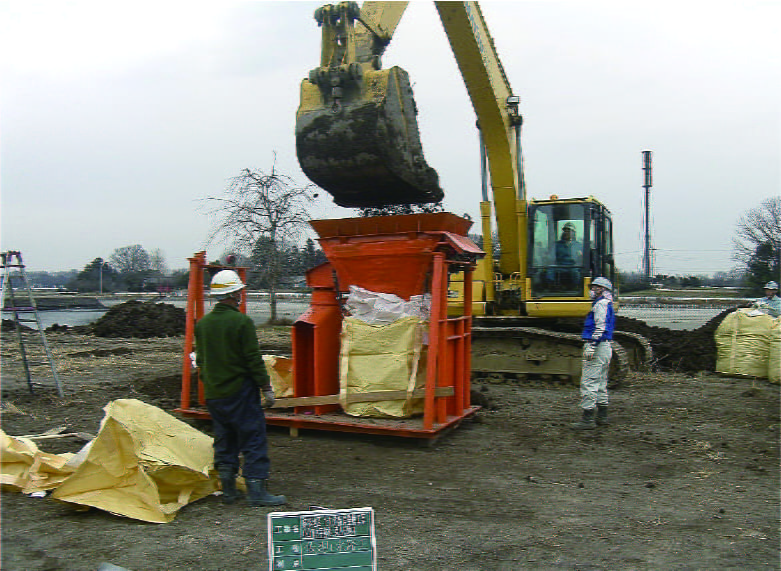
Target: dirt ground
687,477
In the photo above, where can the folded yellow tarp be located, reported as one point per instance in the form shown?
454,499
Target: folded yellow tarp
144,464
743,344
280,371
26,469
376,358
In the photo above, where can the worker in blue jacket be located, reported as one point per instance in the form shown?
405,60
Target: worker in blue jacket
597,352
771,303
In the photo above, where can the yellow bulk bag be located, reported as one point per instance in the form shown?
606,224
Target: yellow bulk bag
376,358
144,464
280,372
743,344
24,468
774,362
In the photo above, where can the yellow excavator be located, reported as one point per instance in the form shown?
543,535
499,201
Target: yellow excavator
357,137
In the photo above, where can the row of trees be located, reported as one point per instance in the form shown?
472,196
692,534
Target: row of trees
635,281
130,268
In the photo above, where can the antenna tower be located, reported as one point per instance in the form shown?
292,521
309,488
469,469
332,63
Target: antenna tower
647,184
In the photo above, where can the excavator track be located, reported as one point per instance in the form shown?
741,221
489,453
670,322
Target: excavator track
518,353
637,348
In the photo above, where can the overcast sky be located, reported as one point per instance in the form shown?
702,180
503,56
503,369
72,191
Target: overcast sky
117,117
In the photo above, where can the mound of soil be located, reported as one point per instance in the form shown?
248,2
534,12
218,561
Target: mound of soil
674,350
142,320
679,350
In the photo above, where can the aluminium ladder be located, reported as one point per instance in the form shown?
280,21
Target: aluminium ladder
13,269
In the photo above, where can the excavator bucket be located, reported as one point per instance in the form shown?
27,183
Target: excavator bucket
363,145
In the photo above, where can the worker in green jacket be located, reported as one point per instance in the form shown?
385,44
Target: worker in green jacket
234,376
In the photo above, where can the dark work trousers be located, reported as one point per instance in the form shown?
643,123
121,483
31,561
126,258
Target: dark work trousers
240,427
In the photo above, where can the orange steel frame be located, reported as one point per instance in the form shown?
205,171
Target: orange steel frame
403,255
195,310
435,244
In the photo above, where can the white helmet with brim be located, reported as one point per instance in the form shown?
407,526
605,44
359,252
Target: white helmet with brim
603,282
225,282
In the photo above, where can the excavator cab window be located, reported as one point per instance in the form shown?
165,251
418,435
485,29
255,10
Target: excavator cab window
562,235
602,262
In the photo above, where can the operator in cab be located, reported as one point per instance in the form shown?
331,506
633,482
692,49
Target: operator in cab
569,252
597,352
771,303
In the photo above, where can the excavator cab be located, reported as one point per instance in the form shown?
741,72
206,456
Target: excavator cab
570,243
357,135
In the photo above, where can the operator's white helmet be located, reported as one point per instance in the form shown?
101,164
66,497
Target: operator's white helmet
771,285
225,282
603,282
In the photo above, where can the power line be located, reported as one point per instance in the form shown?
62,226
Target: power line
672,250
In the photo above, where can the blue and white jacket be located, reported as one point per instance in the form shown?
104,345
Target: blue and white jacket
600,321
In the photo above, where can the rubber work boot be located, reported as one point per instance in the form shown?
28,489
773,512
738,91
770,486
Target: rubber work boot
587,422
228,481
602,419
258,495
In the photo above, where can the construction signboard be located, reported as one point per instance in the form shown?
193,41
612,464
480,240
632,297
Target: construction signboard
323,540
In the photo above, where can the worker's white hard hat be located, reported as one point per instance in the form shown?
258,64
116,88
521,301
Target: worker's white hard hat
225,282
771,285
603,282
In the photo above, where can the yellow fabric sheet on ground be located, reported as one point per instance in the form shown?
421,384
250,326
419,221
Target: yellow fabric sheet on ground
144,464
743,344
26,469
377,358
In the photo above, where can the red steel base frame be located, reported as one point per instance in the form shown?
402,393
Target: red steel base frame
406,428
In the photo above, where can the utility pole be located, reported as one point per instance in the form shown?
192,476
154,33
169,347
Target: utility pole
647,183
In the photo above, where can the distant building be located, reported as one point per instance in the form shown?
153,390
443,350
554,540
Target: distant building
161,284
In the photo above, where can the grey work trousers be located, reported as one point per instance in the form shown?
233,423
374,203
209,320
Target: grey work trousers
593,382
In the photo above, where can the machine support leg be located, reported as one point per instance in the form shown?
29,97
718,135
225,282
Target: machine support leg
435,340
193,286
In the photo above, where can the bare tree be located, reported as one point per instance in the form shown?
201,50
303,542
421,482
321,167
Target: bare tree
758,241
157,262
260,212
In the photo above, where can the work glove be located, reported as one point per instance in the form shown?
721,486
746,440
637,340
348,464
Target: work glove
267,400
588,351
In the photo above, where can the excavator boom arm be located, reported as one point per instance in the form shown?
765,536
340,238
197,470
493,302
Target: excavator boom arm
356,132
497,117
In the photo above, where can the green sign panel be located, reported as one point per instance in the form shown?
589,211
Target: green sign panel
325,540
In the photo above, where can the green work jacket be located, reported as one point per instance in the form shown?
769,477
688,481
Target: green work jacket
227,352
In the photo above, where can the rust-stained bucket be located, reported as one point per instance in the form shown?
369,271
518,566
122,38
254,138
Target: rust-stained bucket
364,147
